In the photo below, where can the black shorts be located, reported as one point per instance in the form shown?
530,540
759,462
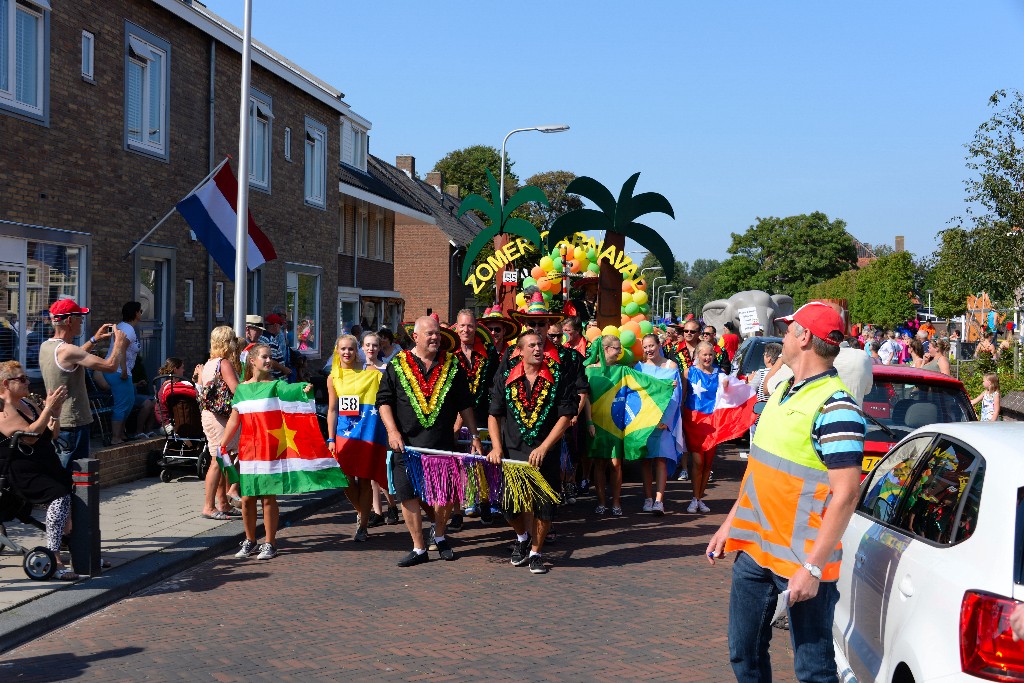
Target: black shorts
551,470
403,488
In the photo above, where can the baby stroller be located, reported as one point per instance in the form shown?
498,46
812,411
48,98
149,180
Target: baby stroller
39,563
181,425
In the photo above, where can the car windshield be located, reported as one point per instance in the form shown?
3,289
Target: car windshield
751,355
906,406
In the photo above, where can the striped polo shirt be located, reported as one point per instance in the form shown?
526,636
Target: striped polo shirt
839,428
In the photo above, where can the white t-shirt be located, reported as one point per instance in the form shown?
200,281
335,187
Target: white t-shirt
134,346
854,370
889,352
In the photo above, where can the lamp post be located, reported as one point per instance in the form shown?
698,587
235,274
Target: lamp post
669,303
664,299
501,240
930,301
652,290
646,269
682,293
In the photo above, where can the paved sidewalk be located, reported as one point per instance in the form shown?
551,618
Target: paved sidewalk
149,529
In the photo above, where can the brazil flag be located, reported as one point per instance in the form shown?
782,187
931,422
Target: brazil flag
627,406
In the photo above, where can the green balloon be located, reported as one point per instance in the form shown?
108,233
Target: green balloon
646,327
594,268
529,282
547,296
558,263
627,338
591,255
645,308
631,308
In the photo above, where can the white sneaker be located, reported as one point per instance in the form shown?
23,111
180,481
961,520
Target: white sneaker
692,507
684,476
267,552
702,507
248,549
648,505
658,508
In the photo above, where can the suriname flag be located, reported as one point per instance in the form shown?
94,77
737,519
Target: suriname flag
627,406
281,450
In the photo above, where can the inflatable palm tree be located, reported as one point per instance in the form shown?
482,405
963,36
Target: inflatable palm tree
618,220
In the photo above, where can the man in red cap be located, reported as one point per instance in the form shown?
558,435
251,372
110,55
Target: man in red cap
278,344
797,496
64,364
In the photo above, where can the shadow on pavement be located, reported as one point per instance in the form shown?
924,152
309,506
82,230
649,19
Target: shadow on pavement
58,667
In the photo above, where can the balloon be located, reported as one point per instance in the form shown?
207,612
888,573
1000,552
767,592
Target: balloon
556,285
637,318
557,263
584,264
627,337
544,284
646,327
610,329
592,333
578,253
627,298
592,255
547,263
631,309
624,319
593,267
547,297
641,284
520,300
627,286
529,282
645,308
640,298
634,327
574,266
638,349
537,273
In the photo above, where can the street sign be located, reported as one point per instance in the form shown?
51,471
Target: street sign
510,277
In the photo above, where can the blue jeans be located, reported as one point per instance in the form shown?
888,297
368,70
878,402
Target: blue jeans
752,600
77,439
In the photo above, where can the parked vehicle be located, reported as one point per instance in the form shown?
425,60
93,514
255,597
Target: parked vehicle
933,559
750,355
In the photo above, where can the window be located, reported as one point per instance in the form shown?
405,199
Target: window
146,92
341,230
389,244
378,246
937,508
88,41
362,230
24,56
302,298
260,116
357,156
890,478
218,300
287,144
254,289
190,289
316,164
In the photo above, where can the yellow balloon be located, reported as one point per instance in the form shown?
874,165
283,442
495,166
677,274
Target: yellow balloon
578,253
640,298
627,298
520,300
612,330
546,263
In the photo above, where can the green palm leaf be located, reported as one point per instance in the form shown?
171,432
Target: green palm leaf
654,242
577,221
648,202
475,202
530,193
495,188
523,228
625,199
594,191
473,250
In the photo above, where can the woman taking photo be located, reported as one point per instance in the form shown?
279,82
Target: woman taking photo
217,380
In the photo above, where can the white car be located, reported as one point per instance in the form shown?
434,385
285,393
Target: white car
933,559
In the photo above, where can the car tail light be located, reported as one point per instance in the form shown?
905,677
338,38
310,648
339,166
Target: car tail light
987,648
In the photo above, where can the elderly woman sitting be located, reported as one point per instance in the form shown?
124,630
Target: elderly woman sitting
33,467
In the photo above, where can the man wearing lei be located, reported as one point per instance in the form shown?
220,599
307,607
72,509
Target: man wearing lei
479,360
421,393
535,395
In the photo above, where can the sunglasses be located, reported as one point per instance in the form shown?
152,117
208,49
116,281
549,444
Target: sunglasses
689,331
555,336
705,333
23,378
495,330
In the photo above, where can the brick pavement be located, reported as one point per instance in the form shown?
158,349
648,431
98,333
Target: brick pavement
627,599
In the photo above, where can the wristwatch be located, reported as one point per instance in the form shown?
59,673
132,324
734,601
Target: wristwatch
813,569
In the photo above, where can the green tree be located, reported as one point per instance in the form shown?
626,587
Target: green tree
842,286
553,184
468,168
883,290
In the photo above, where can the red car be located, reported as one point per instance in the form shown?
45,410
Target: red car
905,398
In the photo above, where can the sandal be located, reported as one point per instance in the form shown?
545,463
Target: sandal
217,515
65,574
231,512
235,502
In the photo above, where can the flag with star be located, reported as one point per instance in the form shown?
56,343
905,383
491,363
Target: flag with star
361,442
281,450
627,406
719,407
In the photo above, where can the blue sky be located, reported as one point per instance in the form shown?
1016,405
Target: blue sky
731,110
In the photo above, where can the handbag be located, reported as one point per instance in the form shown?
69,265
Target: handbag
215,396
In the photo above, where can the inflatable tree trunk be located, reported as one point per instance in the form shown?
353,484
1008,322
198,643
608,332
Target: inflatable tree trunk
609,288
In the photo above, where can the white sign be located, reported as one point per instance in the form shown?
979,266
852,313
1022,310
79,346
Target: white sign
749,322
510,276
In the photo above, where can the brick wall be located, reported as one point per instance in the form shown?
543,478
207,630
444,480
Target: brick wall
373,273
422,269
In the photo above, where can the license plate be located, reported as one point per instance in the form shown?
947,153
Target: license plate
869,462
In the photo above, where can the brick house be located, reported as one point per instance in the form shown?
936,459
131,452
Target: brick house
111,113
428,261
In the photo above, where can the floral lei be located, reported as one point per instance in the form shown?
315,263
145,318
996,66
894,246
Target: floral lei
476,373
418,387
531,409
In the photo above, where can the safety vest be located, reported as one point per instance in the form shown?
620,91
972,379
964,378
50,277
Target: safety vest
785,491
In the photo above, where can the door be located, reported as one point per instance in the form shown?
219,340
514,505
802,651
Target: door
153,291
13,337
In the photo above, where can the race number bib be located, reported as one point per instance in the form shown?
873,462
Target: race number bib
348,406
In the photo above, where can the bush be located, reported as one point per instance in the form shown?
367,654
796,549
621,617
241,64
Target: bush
973,376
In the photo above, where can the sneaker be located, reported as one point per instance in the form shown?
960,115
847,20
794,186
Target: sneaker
267,552
684,476
471,511
391,516
569,493
537,565
600,510
616,512
248,549
486,515
413,558
658,508
431,543
648,505
692,507
455,523
552,536
584,488
521,553
445,550
375,520
702,507
711,476
361,535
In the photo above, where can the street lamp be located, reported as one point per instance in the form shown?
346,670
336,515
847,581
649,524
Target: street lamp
669,303
930,312
646,269
664,298
555,128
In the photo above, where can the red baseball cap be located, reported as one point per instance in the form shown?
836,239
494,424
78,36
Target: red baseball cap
821,319
274,319
66,307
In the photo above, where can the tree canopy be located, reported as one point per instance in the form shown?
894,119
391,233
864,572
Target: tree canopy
553,183
883,291
468,168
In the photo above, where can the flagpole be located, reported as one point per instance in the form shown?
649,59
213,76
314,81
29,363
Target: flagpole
242,224
175,208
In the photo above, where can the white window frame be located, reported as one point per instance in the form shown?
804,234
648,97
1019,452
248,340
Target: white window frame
88,56
287,144
341,230
142,49
190,291
218,300
378,238
39,10
389,244
359,148
315,163
292,273
261,114
362,230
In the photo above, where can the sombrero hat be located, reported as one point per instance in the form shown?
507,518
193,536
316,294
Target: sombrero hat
449,340
493,316
482,335
536,311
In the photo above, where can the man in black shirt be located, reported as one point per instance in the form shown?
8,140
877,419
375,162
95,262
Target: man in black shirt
532,401
420,395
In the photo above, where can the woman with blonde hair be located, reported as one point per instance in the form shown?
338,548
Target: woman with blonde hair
216,381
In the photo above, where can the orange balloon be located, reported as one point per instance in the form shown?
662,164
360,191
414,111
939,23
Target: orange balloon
544,284
538,273
633,326
593,333
556,285
627,286
641,285
625,318
574,266
638,349
638,318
